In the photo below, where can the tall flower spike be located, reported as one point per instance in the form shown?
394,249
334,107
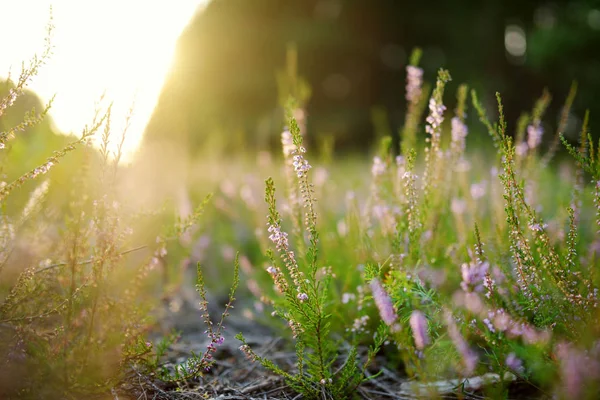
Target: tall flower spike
414,82
418,324
383,302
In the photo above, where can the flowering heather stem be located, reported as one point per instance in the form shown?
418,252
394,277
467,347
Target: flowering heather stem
434,128
469,358
414,95
418,324
383,302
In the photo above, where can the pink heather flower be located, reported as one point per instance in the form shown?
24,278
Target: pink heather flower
360,324
278,237
534,135
521,149
538,227
436,116
514,363
578,368
469,357
418,324
459,132
346,297
414,81
383,302
458,206
301,166
378,167
302,297
478,190
473,275
287,143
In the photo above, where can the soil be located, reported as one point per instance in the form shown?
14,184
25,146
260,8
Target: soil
233,377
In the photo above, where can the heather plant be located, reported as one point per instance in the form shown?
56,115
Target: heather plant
470,274
301,296
78,281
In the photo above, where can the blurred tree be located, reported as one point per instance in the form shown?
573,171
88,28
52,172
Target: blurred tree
354,52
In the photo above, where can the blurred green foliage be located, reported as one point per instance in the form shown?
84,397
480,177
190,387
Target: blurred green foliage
353,54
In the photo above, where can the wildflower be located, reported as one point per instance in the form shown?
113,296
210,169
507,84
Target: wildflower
271,270
514,363
536,227
436,116
489,325
534,135
459,132
278,237
162,252
302,297
360,324
458,206
521,149
295,327
42,169
36,197
414,81
383,302
287,143
578,370
301,166
342,228
250,355
378,167
473,275
346,297
469,357
278,278
418,324
478,190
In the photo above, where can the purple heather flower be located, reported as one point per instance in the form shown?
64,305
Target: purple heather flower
302,297
478,190
513,362
468,355
459,132
414,81
378,167
579,369
521,149
534,135
418,324
473,275
436,116
301,166
383,302
278,237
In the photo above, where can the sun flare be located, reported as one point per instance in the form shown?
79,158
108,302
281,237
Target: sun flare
122,48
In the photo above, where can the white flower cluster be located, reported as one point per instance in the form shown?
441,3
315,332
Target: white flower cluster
414,81
436,116
534,135
42,169
278,237
459,132
301,166
378,167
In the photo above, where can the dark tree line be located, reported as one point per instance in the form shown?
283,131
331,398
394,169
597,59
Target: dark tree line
353,53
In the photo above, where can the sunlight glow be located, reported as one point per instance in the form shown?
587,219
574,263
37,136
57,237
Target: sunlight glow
121,47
